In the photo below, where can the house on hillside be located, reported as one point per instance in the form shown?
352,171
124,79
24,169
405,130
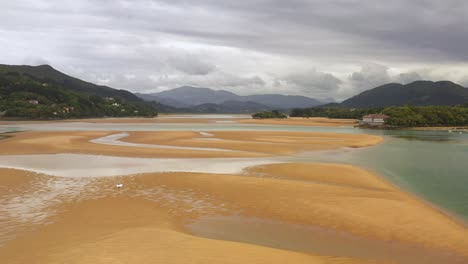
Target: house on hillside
373,120
33,102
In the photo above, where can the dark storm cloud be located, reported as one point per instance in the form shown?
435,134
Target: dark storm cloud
380,28
144,44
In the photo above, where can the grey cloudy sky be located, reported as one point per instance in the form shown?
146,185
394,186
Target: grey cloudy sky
318,48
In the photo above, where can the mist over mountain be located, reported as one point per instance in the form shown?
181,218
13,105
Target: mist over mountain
192,96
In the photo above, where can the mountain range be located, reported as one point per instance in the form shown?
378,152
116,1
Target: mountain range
188,96
44,92
420,93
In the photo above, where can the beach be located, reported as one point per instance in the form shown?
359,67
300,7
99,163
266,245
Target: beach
265,210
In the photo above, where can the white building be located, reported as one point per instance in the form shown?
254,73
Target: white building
374,119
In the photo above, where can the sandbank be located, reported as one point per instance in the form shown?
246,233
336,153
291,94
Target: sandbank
148,221
245,144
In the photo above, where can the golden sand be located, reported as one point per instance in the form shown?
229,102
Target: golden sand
123,228
147,221
126,230
245,144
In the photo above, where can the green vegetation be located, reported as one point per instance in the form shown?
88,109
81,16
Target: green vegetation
419,93
423,116
400,116
47,74
269,114
334,112
23,95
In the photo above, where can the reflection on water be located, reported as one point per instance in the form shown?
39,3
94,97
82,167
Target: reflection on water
425,137
36,204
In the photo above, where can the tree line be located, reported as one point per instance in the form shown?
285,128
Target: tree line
399,116
269,114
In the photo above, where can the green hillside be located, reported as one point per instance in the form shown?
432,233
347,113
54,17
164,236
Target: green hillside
419,93
41,92
47,74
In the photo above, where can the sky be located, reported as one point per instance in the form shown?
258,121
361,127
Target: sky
316,48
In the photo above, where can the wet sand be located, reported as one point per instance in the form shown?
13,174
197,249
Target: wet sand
151,220
186,217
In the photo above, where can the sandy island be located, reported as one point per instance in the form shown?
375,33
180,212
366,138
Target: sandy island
153,218
244,144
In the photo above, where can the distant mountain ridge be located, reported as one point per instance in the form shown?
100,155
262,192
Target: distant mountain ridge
20,83
230,107
419,93
188,96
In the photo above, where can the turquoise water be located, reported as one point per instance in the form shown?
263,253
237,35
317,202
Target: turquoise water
434,165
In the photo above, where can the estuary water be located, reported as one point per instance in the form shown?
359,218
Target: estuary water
431,164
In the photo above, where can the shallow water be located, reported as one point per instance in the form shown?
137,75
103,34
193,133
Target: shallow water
313,240
431,164
86,166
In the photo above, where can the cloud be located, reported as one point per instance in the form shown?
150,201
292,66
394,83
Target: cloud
191,64
312,83
35,60
215,80
244,46
408,77
370,76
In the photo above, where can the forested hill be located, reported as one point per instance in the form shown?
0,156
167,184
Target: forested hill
419,93
47,74
41,92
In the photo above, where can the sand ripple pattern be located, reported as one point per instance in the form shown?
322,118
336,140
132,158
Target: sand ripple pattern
36,205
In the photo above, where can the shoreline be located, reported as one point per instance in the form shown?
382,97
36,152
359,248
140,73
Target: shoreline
337,196
445,212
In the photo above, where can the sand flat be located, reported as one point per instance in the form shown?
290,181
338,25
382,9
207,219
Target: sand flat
131,230
81,220
245,144
267,142
135,226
